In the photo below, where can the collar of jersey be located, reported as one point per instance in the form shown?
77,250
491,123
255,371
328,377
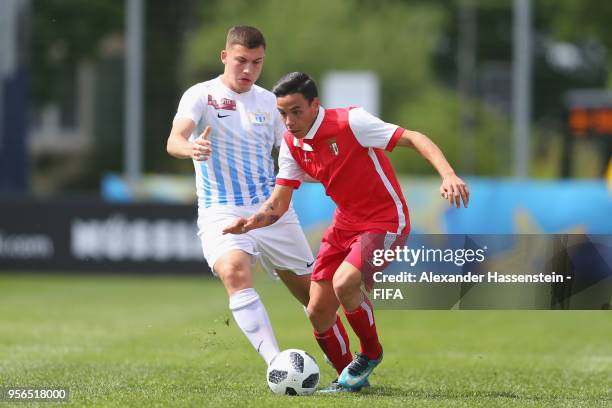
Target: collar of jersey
316,124
228,89
311,133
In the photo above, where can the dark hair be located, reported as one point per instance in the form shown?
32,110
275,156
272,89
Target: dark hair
247,36
296,82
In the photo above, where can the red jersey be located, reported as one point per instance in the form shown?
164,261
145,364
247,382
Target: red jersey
344,151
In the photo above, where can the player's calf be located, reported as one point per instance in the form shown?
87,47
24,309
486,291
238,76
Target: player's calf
252,318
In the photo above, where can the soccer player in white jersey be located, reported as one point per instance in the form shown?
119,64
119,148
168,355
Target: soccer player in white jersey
228,127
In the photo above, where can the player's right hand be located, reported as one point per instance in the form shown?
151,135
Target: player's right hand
202,147
236,227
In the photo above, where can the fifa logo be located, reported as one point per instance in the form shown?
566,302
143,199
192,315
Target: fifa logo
333,146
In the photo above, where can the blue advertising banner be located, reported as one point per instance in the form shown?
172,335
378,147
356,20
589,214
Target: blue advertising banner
497,206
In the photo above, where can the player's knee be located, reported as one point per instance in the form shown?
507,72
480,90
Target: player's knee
345,286
313,311
234,274
317,312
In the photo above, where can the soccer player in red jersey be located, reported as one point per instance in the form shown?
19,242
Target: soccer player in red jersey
344,150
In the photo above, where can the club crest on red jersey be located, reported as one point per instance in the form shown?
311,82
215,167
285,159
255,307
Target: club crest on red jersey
333,146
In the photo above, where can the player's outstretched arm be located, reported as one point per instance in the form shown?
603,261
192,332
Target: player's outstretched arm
453,188
179,145
268,213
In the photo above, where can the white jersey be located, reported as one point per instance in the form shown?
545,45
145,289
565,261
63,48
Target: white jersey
245,127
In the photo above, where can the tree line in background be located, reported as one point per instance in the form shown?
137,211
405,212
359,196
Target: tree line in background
411,45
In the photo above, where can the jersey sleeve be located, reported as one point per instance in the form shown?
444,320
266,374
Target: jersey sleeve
289,171
370,131
192,104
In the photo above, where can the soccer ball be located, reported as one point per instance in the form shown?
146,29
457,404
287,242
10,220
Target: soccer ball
293,372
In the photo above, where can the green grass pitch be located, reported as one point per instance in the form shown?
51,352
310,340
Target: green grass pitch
170,341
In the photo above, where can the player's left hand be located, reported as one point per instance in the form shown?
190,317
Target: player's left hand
454,190
202,147
236,227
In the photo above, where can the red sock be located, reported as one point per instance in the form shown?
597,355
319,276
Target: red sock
362,322
335,344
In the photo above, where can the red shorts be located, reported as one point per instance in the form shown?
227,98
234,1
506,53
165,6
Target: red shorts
354,247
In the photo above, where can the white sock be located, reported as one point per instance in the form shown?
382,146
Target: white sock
252,318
